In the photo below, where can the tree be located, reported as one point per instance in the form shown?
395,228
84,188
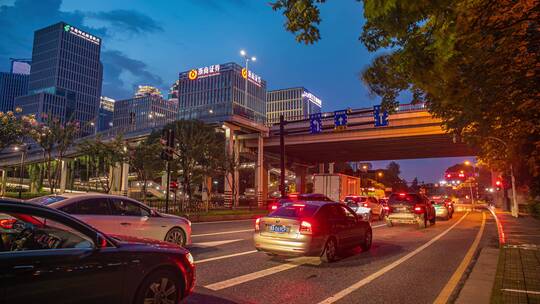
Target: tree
199,152
144,158
414,185
475,64
13,127
102,155
55,138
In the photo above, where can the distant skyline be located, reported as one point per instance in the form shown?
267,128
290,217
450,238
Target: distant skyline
150,42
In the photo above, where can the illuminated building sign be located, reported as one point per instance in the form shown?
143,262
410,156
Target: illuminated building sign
251,76
314,99
204,72
75,31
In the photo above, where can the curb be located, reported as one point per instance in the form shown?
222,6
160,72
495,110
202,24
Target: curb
481,278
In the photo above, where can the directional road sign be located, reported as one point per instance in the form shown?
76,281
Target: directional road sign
380,119
315,123
340,120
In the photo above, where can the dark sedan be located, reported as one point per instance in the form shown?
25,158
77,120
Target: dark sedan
48,256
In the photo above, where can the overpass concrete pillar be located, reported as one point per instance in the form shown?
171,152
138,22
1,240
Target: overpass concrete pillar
232,147
124,184
63,175
259,171
265,176
321,168
115,173
331,168
300,173
3,182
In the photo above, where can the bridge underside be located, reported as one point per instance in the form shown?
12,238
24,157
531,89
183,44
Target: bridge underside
412,147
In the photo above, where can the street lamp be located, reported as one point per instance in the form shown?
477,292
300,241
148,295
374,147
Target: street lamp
21,170
247,60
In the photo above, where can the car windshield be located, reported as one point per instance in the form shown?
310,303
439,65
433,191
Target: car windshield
358,199
47,200
295,211
402,198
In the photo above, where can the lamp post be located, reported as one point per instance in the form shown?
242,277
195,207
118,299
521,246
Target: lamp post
468,163
247,60
21,168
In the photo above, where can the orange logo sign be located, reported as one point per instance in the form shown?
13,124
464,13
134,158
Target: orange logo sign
244,73
192,75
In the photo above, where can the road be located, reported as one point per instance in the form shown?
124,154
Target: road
405,265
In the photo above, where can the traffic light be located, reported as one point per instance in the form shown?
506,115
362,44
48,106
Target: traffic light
498,185
167,142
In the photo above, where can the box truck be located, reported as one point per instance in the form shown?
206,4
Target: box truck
336,186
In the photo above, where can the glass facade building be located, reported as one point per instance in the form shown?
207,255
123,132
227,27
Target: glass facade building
143,112
65,79
106,112
12,85
215,93
292,103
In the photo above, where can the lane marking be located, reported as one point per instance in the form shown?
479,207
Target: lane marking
263,273
223,232
215,243
218,222
224,257
447,290
377,226
521,291
389,267
500,230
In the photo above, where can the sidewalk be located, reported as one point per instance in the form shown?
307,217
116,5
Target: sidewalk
518,271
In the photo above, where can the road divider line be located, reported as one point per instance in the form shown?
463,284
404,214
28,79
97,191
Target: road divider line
215,243
263,273
454,280
389,267
224,257
219,222
220,233
377,226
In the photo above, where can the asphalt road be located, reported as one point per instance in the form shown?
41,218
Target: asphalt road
404,265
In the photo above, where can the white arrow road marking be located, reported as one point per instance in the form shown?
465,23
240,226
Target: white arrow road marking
263,273
215,243
387,268
225,257
223,232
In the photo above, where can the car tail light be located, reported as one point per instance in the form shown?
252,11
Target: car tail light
402,194
273,207
257,224
299,205
365,204
418,209
7,223
386,208
305,227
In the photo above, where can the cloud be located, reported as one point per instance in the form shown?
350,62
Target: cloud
19,21
220,5
130,21
115,67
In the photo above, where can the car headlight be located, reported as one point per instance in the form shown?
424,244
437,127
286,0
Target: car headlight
190,259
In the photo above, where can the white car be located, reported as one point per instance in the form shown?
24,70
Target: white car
120,215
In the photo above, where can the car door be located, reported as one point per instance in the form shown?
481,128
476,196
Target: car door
93,211
56,263
133,218
352,229
339,225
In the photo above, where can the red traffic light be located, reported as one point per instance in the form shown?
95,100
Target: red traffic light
498,183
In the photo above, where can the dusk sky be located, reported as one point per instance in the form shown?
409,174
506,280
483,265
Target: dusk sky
150,42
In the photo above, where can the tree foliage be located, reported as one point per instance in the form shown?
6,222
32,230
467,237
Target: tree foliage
13,127
144,158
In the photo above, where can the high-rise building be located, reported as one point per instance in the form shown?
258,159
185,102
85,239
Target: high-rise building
12,85
215,93
146,91
143,112
106,113
292,103
65,79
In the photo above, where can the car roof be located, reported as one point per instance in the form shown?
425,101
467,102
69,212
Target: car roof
77,198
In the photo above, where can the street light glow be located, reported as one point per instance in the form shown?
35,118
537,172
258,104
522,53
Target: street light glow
253,58
242,52
467,162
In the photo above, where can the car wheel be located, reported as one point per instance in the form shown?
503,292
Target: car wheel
422,222
368,238
176,236
330,251
389,223
162,286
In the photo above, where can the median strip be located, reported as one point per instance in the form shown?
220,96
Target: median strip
385,269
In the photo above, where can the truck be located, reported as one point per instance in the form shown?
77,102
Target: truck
336,186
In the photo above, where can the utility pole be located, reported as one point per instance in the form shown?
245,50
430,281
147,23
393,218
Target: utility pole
282,155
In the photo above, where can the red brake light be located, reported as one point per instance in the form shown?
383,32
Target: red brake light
386,208
305,227
7,223
365,204
402,194
257,224
274,207
448,175
298,205
418,209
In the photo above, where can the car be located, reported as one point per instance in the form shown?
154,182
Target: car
443,207
369,202
311,228
125,216
49,256
410,208
358,208
294,197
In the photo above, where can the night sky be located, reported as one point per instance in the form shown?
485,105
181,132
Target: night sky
150,42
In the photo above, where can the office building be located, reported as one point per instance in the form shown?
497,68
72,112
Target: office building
12,85
214,93
147,91
66,74
147,111
292,103
106,113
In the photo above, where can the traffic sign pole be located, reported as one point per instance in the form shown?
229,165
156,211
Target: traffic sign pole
282,155
168,187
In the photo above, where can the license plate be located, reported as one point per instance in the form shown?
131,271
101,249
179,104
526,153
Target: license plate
278,228
400,209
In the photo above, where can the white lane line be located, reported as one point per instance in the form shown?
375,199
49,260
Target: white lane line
215,243
521,291
223,232
263,273
377,226
218,222
387,268
224,257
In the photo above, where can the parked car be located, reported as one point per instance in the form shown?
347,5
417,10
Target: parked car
124,216
410,208
311,228
369,202
358,208
275,203
49,256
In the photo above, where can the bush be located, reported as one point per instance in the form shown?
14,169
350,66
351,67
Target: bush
534,209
